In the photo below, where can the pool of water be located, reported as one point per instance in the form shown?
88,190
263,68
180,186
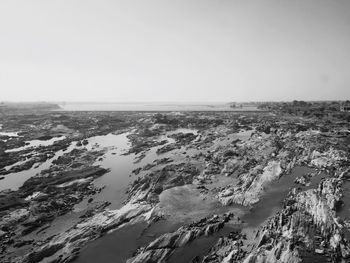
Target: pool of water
120,244
271,201
136,236
37,143
344,211
269,204
200,246
14,181
121,166
10,134
112,248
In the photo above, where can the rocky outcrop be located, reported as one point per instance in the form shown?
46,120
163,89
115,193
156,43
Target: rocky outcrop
221,163
65,246
152,184
45,196
160,249
327,159
252,186
307,223
227,249
168,148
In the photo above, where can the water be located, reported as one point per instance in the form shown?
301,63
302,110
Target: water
271,201
179,212
37,143
170,106
344,211
10,134
14,181
15,164
269,204
113,244
119,245
121,166
117,180
175,155
199,246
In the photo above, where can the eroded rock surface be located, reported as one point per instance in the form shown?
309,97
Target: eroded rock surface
161,248
222,161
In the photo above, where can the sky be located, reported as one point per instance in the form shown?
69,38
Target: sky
179,50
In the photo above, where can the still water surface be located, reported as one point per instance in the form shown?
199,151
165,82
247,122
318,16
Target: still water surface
170,106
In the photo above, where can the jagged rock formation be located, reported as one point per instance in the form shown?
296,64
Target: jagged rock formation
252,186
307,224
65,246
160,249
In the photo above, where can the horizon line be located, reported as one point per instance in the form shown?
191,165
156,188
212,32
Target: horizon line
180,102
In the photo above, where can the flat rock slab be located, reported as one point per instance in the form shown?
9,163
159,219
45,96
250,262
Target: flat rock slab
188,203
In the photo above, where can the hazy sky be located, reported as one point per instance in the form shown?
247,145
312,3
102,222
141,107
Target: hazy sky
179,50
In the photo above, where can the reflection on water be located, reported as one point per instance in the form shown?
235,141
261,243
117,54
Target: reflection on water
121,166
113,248
14,181
119,245
117,181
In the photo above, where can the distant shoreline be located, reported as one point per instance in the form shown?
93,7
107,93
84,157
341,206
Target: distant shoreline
151,107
